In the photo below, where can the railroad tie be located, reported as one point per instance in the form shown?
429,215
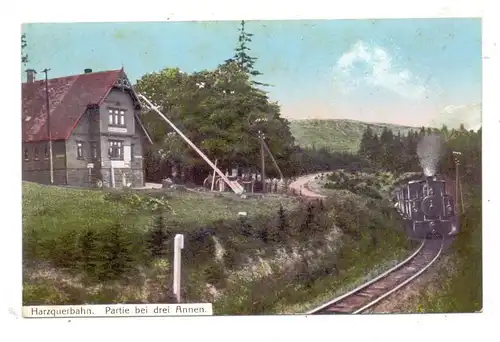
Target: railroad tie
364,294
344,310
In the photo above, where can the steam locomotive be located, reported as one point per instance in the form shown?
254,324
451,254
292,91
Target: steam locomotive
427,209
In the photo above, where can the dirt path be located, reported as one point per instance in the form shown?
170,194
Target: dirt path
300,186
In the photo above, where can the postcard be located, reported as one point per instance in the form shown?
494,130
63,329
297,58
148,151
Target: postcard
252,167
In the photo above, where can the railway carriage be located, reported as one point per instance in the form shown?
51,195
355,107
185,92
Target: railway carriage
427,209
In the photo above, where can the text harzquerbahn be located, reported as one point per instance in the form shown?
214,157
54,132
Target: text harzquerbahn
118,310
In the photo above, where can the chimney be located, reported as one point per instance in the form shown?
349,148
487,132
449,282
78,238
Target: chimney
30,75
88,71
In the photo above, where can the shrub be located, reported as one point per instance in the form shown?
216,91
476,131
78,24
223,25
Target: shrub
283,226
158,237
42,293
87,245
115,253
214,274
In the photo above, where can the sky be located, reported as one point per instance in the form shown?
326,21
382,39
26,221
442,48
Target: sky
403,71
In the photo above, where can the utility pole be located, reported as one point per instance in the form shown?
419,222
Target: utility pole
263,161
49,128
456,156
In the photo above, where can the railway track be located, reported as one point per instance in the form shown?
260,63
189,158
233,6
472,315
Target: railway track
374,291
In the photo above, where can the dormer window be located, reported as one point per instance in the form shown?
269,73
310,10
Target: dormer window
123,83
116,117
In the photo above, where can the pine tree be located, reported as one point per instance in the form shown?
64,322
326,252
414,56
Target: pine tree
444,131
24,44
376,150
386,143
365,145
282,223
308,225
88,252
321,205
158,237
241,57
116,253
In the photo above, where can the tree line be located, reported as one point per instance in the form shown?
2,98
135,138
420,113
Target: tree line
398,153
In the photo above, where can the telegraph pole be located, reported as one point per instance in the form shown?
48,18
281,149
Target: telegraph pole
456,156
263,161
49,128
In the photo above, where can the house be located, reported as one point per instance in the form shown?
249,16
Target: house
97,135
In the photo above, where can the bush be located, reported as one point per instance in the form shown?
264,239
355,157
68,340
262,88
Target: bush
214,274
283,226
42,293
115,257
158,237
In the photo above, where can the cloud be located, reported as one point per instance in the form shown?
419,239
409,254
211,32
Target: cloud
370,65
470,115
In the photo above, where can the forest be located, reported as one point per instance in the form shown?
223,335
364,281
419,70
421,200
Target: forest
396,153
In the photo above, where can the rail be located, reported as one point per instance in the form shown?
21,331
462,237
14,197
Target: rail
373,291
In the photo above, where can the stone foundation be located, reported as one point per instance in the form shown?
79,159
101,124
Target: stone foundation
43,176
125,175
81,177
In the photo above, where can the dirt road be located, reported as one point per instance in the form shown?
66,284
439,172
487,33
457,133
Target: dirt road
300,186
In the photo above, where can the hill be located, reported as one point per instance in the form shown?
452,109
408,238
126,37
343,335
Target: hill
336,135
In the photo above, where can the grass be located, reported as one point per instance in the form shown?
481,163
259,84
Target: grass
55,208
346,281
375,185
459,288
91,246
188,206
336,135
58,208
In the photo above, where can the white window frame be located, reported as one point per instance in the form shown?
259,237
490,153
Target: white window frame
79,150
115,144
116,117
93,150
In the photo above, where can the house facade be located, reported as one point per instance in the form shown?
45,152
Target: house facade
97,135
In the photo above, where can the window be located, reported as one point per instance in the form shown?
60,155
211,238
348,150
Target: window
116,149
93,150
132,152
35,153
46,153
26,155
79,150
116,117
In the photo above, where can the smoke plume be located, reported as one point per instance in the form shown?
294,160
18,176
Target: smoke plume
429,151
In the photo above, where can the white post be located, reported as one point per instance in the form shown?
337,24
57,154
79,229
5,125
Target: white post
112,176
213,177
178,246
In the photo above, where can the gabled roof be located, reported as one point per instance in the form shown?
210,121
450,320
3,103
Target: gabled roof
69,98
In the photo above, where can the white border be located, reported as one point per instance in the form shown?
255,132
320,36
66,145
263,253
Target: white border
413,327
